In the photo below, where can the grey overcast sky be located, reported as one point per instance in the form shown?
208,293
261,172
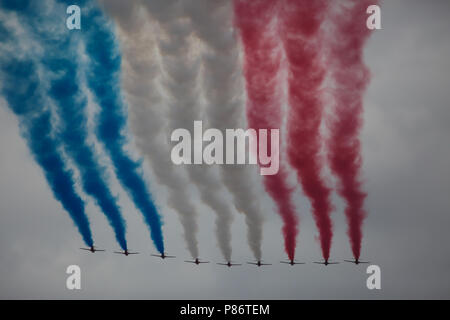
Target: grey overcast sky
406,170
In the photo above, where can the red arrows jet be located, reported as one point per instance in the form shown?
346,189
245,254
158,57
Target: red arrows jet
291,262
325,263
356,261
162,256
92,249
229,264
126,252
196,261
259,263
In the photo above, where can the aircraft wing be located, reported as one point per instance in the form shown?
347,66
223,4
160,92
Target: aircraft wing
203,262
252,263
85,249
119,252
133,252
223,264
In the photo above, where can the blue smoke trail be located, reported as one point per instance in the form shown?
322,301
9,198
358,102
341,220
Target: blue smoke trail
20,85
74,134
103,77
61,62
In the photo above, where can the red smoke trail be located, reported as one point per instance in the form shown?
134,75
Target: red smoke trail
300,31
262,64
350,77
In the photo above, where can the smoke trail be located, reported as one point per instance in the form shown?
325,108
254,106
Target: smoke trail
262,64
22,90
60,61
103,77
351,78
300,31
147,121
181,65
212,23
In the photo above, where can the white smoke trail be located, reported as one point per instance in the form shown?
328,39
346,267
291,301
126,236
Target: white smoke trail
223,88
140,71
181,60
